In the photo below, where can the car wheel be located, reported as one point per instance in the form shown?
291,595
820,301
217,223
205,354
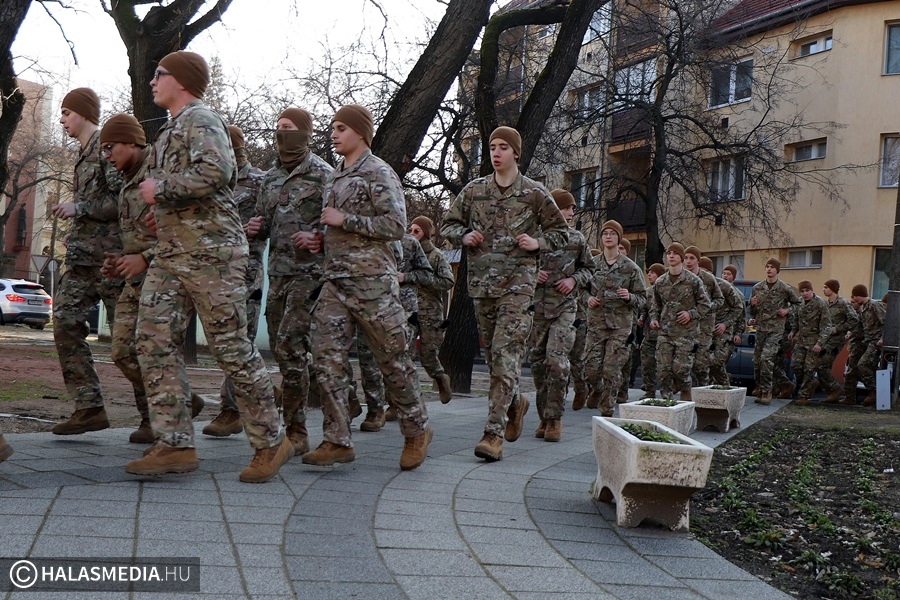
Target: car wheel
38,327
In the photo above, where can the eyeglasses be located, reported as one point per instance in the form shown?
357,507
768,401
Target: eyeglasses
608,233
106,150
158,73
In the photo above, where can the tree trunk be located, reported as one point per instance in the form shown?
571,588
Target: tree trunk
461,342
12,101
415,104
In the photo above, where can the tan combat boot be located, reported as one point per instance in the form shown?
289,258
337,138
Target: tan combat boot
143,434
82,421
869,400
490,447
390,414
163,458
765,399
328,453
554,430
197,405
415,449
443,385
593,400
265,462
801,401
374,421
579,400
299,437
787,391
227,422
833,397
516,419
542,428
5,449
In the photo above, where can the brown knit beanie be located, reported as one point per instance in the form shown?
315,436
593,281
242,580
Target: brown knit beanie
425,224
302,119
563,198
357,118
614,225
596,251
123,129
804,285
189,69
237,136
775,263
85,102
694,250
510,136
676,248
625,244
860,290
834,285
731,268
705,263
656,268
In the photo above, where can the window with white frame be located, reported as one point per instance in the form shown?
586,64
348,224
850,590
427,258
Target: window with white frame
719,261
808,46
808,150
731,83
804,258
881,272
634,83
583,186
599,26
725,177
587,102
546,31
890,160
892,50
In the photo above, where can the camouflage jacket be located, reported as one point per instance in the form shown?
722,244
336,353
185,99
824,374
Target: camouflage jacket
245,194
613,312
430,296
671,295
95,228
871,317
644,316
843,319
770,299
813,323
137,238
195,170
291,201
708,322
574,260
368,192
498,266
416,271
732,310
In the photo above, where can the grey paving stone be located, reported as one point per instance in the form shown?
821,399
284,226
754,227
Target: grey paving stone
260,555
700,568
256,533
478,490
542,579
736,590
345,486
228,482
470,588
185,483
315,524
485,506
503,554
170,496
81,546
403,507
152,511
410,485
443,523
551,518
220,580
342,591
333,510
356,570
183,530
16,545
670,546
643,592
88,526
513,537
518,520
571,503
24,506
111,492
103,474
19,492
437,563
564,596
249,514
358,545
51,479
574,533
317,496
51,464
209,553
266,580
635,572
593,551
442,498
257,500
417,539
94,507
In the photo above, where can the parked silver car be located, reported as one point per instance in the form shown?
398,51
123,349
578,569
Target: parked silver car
24,302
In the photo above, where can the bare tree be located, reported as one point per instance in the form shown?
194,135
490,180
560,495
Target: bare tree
12,101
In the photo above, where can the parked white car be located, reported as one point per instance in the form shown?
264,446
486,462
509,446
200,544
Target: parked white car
24,302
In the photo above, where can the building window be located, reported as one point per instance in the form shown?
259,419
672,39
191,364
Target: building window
807,150
22,227
634,83
583,185
804,258
721,260
890,160
599,24
546,31
881,273
726,179
892,50
587,102
808,46
731,83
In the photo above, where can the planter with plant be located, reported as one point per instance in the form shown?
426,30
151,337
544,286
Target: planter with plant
718,406
674,414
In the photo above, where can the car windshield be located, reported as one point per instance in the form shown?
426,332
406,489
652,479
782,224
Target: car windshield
34,289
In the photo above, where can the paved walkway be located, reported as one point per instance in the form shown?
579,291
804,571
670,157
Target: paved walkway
525,527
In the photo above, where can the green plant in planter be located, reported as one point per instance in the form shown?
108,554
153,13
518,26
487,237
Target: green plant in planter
649,435
721,387
663,402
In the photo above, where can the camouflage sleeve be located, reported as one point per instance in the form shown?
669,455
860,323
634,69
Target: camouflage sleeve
443,274
389,221
264,210
104,206
456,222
209,158
655,303
717,298
825,327
852,317
637,289
584,271
754,309
702,302
421,272
732,307
554,229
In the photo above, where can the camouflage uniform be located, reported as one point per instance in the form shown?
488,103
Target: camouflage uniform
609,326
246,191
201,258
731,313
361,290
576,356
502,276
857,348
703,359
553,333
812,327
291,201
677,344
770,328
843,319
648,349
430,298
95,230
871,317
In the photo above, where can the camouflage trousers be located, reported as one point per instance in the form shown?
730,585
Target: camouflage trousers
827,382
212,280
370,374
372,305
868,364
226,392
431,336
703,359
123,350
504,324
80,288
765,356
648,363
674,360
804,363
851,377
631,364
576,358
723,346
606,355
551,342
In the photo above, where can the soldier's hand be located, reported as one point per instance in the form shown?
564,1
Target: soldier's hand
880,343
640,321
593,302
401,277
526,242
565,286
130,265
623,294
654,324
754,301
301,239
150,221
683,317
720,329
314,242
332,216
817,349
543,276
782,312
148,191
252,227
108,269
737,340
473,239
66,210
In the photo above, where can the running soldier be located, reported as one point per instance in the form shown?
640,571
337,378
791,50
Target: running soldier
503,221
730,323
871,317
810,333
201,260
633,347
703,359
843,319
95,230
648,344
562,273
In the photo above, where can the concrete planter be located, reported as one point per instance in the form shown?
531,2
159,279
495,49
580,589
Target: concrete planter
718,408
652,480
679,417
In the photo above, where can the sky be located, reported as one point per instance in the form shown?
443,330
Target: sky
256,39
